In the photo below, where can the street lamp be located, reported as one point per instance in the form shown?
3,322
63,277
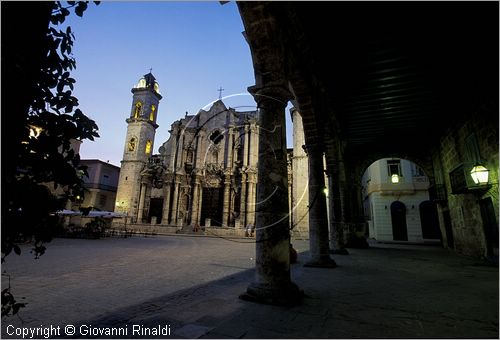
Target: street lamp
479,174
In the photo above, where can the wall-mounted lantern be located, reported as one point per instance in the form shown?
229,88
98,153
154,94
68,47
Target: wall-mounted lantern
395,178
479,174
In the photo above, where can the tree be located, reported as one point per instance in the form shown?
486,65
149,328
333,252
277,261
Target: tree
40,120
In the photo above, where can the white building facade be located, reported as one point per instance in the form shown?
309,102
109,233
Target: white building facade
396,202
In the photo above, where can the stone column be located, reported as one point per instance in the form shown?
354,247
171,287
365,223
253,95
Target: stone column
345,204
195,204
229,148
180,152
272,282
246,145
142,198
174,149
225,207
200,199
254,147
173,219
318,219
251,206
199,152
335,206
166,203
249,211
243,195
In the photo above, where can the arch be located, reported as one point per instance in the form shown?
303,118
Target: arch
152,113
361,164
149,146
216,136
138,109
132,143
398,219
429,220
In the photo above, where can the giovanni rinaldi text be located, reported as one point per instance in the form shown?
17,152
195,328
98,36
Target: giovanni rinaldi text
86,330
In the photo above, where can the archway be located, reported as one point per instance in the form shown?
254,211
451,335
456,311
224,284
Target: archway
398,219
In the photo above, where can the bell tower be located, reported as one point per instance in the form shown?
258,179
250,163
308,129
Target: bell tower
139,142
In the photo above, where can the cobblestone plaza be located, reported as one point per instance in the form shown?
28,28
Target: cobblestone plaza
192,284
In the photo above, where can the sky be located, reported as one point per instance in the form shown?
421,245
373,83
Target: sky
193,48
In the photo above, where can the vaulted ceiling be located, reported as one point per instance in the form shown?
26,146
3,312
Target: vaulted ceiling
394,75
397,74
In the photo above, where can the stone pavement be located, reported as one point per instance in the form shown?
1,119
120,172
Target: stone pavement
192,285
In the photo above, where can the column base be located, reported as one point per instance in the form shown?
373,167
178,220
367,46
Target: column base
288,295
341,251
323,263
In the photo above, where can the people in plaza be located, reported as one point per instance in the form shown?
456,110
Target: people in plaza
250,230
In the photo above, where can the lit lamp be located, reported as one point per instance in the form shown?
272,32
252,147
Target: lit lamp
395,178
479,174
325,191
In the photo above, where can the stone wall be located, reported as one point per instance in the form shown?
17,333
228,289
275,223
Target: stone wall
466,220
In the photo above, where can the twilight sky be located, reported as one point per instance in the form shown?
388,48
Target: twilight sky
192,47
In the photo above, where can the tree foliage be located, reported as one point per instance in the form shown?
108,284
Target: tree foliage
40,122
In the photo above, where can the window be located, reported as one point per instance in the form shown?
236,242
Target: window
394,167
417,171
138,109
216,137
149,145
472,149
152,113
131,144
105,179
102,200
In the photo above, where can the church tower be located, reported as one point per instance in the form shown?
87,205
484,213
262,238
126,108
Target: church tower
138,144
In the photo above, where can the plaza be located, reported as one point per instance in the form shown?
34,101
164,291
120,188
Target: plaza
191,284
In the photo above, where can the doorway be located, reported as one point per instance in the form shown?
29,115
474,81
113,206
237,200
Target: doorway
429,220
156,209
448,229
398,217
490,226
211,206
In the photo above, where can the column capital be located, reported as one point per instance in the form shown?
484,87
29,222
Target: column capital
333,167
267,94
313,149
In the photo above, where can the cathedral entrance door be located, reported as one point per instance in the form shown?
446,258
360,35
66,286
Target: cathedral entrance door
156,209
211,206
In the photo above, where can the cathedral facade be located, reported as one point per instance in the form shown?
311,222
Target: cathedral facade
205,174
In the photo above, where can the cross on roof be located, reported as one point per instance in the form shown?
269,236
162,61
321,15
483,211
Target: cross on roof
220,92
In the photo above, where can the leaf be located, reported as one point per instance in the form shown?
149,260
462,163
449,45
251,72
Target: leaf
64,12
80,8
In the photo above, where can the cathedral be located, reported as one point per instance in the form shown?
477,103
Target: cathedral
204,175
